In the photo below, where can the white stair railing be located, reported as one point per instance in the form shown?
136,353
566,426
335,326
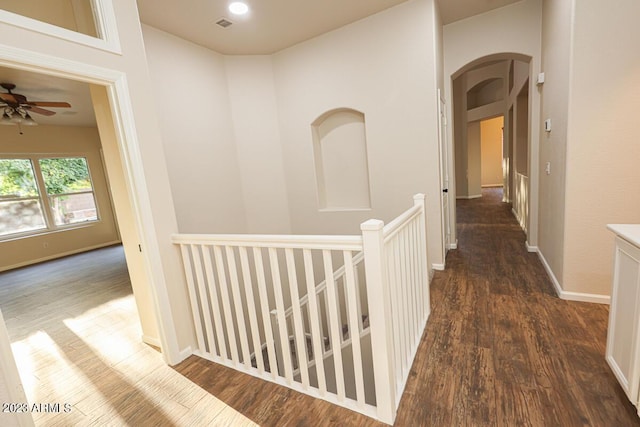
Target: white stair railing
285,308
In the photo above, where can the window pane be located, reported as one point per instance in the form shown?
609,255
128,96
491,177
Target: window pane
20,216
75,16
16,179
65,175
73,208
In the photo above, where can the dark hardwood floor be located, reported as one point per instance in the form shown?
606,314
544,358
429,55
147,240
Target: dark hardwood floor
500,348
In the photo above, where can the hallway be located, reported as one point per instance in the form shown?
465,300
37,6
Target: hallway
500,348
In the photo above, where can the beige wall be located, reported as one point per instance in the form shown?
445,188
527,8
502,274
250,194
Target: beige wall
70,141
603,177
491,146
129,231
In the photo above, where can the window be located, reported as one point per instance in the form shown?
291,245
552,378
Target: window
44,193
20,207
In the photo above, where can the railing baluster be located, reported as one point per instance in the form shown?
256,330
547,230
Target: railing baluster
409,286
316,322
397,303
282,321
204,301
354,325
251,308
404,318
188,270
415,283
226,305
266,314
356,283
213,291
298,325
334,326
237,302
396,309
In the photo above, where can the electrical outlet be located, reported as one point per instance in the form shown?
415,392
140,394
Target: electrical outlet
547,168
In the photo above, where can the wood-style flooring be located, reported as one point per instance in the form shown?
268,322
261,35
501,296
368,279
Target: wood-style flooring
500,348
76,338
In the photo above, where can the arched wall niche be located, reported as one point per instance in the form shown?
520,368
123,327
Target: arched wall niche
341,164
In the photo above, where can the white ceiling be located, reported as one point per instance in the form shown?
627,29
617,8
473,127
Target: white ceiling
271,25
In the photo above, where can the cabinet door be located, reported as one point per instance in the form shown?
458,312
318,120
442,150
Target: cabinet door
623,354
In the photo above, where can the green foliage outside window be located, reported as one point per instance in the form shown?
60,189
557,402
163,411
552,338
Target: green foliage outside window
16,178
65,175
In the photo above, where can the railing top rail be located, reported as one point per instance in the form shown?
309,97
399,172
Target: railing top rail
319,242
396,224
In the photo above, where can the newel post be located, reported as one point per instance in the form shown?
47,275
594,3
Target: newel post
380,319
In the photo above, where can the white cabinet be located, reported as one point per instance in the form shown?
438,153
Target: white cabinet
623,338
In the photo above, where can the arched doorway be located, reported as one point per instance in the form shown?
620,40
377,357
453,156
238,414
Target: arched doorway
494,86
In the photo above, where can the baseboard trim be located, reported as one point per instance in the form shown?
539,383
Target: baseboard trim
491,186
568,295
533,249
151,341
473,196
439,267
59,255
183,354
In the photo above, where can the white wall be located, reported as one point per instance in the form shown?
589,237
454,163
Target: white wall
192,100
556,58
603,177
254,113
503,32
384,66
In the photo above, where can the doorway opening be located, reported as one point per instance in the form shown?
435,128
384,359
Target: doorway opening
492,132
103,151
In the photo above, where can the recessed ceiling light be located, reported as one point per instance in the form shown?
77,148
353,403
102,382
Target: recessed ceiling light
238,8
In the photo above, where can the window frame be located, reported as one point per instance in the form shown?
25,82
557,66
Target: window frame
44,198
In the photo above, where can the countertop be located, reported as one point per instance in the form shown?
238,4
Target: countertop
629,232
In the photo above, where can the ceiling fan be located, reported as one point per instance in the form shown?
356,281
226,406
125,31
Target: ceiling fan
17,108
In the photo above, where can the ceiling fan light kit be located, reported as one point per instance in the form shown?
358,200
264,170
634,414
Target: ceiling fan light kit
17,107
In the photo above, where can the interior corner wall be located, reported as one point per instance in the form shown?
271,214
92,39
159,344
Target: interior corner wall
474,159
603,178
255,123
383,66
193,104
56,140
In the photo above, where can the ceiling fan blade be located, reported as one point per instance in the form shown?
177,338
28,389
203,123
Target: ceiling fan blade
8,97
50,104
39,110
